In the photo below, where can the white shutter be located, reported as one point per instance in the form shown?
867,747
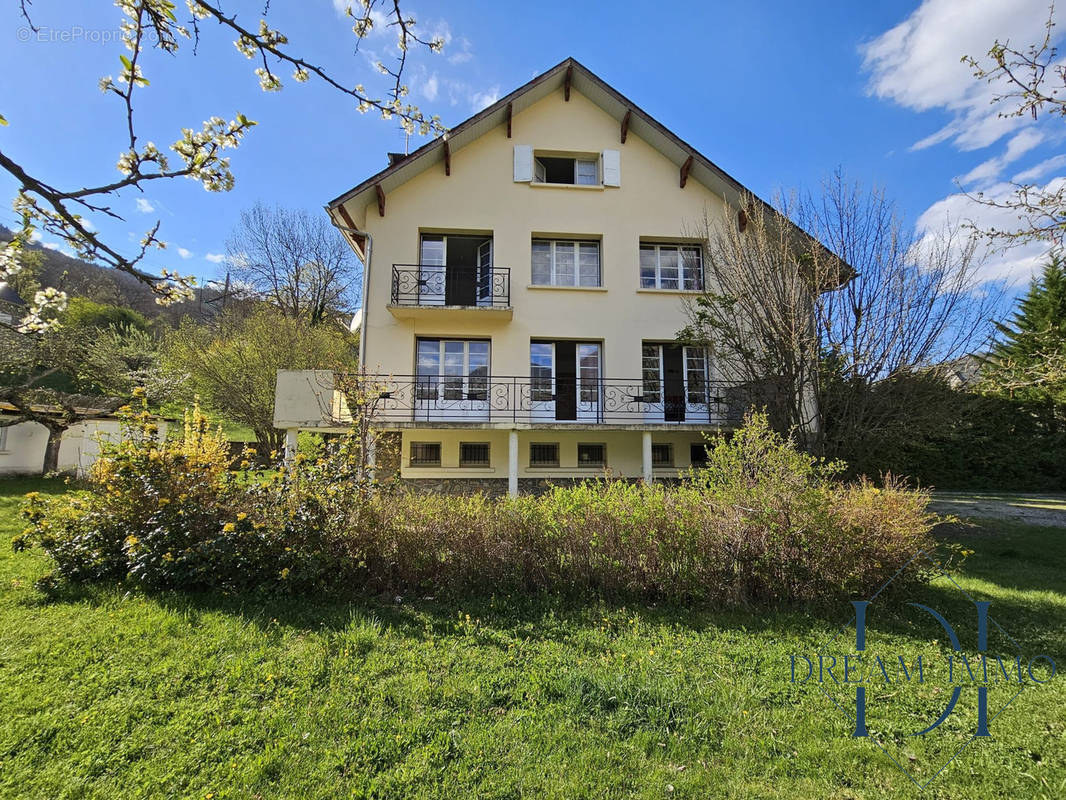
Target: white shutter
612,167
523,163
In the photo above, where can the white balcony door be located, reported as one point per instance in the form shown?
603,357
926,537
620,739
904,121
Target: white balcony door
484,273
452,380
675,383
565,381
431,274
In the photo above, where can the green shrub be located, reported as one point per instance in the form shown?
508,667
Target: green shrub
762,524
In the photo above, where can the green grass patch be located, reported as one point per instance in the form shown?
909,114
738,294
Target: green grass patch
110,693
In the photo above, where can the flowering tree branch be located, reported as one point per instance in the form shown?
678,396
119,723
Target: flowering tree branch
1034,80
62,212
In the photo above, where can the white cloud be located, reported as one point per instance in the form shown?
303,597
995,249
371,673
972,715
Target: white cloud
215,258
184,253
1016,264
480,100
379,18
431,87
144,206
51,246
917,63
1020,144
1040,170
463,54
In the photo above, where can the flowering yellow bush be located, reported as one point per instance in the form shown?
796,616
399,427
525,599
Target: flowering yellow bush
762,524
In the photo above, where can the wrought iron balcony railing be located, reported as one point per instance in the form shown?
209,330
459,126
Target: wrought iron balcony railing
432,285
485,399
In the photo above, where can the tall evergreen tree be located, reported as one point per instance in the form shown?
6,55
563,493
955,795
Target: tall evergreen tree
1030,356
1039,325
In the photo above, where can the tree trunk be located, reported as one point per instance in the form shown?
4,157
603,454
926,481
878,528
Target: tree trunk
269,440
51,450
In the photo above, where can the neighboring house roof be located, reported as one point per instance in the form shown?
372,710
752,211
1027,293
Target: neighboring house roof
7,409
568,74
963,372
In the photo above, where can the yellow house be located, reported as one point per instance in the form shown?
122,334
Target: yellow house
525,279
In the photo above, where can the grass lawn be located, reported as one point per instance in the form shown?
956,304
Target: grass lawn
109,693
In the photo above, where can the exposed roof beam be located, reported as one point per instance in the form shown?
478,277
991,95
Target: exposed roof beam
381,199
447,159
346,217
625,125
510,111
567,81
684,171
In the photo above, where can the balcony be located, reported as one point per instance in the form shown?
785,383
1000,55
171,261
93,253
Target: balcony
462,292
482,400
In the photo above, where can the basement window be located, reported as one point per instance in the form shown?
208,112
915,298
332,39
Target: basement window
662,455
591,455
698,455
473,454
572,171
544,454
425,454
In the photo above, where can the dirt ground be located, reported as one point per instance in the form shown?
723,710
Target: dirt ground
1033,509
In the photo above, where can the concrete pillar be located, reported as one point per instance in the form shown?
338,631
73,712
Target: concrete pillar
512,463
645,448
291,440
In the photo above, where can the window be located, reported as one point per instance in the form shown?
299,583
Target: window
473,454
541,371
662,455
561,263
697,454
591,455
669,266
651,365
567,373
588,373
573,171
694,376
543,454
599,169
452,270
452,369
425,454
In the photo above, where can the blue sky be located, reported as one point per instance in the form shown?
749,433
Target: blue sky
777,93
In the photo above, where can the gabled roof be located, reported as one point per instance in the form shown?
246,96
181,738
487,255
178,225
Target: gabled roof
568,73
582,80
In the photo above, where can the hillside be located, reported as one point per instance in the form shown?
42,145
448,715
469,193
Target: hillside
105,285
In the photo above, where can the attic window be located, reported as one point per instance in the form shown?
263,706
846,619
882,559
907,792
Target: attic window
573,171
554,169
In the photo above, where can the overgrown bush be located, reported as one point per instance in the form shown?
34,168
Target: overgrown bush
762,524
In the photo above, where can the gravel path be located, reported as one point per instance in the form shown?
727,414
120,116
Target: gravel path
1032,509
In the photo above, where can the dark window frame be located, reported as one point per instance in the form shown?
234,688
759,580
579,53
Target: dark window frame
421,462
486,462
535,463
659,462
603,449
